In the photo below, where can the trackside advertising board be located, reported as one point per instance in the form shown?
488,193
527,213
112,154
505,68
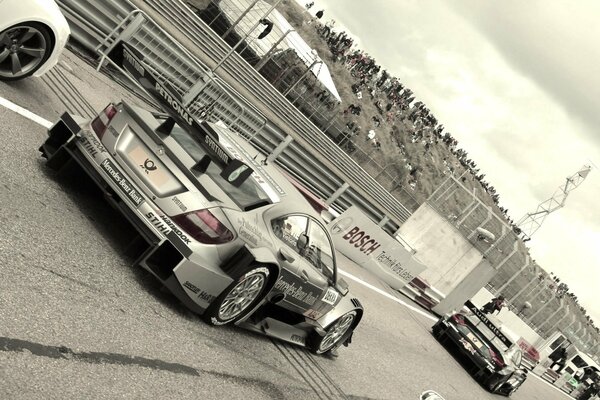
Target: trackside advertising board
365,243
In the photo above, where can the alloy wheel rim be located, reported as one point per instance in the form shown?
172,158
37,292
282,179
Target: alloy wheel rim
22,49
241,296
336,332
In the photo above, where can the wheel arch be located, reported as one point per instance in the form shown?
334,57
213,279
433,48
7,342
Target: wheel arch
246,256
346,305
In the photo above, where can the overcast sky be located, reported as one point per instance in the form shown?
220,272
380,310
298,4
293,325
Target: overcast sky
518,84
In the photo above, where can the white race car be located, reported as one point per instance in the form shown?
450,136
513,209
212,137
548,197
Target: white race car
33,34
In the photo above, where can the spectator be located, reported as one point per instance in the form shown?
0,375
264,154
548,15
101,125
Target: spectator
493,305
268,27
371,135
591,391
558,357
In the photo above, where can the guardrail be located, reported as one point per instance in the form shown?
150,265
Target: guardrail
312,158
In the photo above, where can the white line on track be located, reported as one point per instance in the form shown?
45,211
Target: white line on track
25,113
389,296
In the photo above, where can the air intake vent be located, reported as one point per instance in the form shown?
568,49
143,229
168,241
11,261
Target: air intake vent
356,303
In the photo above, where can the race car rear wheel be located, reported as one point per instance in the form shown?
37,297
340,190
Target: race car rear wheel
335,333
239,298
23,50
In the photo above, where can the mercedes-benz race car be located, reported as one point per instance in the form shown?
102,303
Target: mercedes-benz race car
227,234
492,358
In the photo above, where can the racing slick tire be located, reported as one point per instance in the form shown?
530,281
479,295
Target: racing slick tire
494,386
240,297
436,331
25,46
335,334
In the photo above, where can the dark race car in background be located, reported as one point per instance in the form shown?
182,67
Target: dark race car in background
492,358
226,233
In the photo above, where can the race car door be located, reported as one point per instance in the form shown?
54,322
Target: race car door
320,254
299,282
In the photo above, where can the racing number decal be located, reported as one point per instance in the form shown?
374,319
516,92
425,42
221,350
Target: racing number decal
331,296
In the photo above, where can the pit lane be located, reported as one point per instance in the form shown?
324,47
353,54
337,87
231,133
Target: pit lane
78,321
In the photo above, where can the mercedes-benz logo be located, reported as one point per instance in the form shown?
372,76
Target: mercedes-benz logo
341,225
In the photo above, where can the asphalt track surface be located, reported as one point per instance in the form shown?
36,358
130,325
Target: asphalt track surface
78,321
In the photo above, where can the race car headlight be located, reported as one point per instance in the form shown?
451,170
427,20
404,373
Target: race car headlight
515,380
203,226
505,371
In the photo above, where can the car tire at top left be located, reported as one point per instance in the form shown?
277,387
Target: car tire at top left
24,48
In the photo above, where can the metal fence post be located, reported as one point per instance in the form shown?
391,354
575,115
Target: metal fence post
267,56
315,62
512,278
232,50
337,194
237,21
280,147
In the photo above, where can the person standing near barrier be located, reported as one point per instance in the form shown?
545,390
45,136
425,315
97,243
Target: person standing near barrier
493,305
558,357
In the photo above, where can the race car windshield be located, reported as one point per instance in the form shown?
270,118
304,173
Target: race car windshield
248,195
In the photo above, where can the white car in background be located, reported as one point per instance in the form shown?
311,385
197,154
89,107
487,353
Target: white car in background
33,33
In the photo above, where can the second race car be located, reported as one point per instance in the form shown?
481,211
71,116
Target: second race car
489,355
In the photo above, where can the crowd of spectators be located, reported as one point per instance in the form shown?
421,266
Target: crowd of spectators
395,103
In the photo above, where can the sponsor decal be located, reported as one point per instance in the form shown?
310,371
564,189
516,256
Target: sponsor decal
158,224
113,131
312,314
175,105
395,266
249,232
122,183
200,294
467,345
179,203
134,63
331,296
216,148
361,240
92,145
148,166
296,293
175,229
483,318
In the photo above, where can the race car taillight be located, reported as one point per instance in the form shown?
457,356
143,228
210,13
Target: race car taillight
458,319
100,123
203,226
497,360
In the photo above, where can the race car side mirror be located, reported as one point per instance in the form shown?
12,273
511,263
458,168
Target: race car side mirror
302,242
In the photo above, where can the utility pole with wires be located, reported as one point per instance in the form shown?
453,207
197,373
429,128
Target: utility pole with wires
532,221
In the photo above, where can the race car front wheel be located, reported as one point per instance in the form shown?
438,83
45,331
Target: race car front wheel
235,302
23,50
335,333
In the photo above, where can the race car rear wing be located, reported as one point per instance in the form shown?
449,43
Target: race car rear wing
483,318
234,170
